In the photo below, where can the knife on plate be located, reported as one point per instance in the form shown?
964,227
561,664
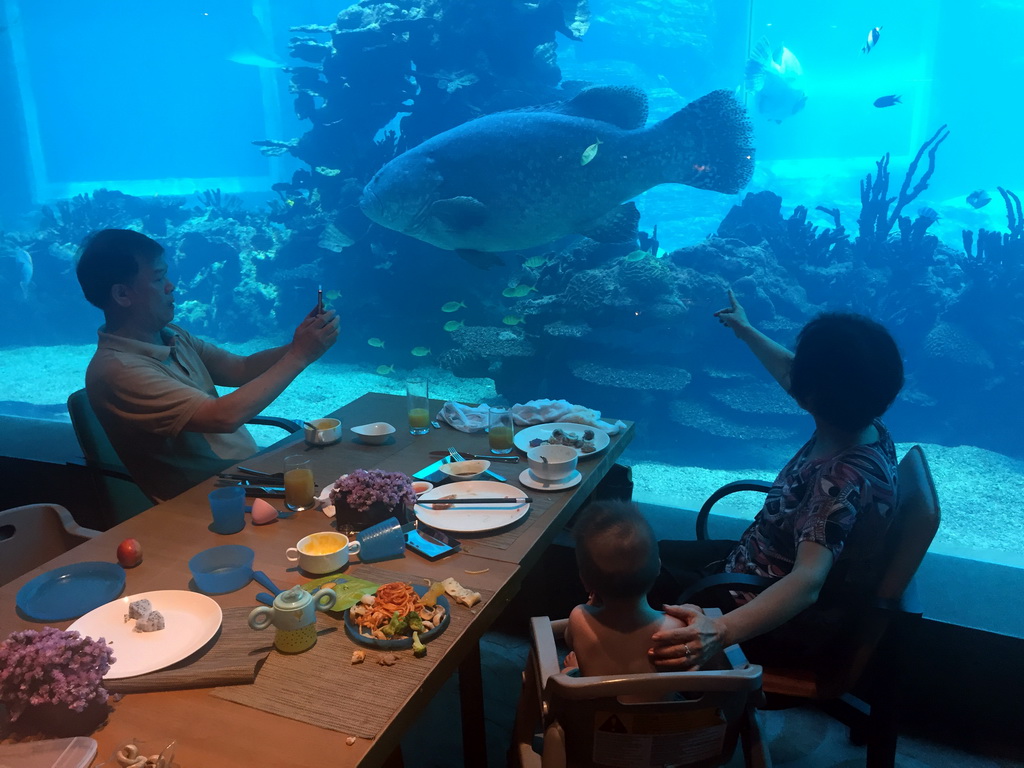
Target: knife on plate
487,457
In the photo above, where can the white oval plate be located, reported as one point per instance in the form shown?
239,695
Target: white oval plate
471,518
190,618
543,432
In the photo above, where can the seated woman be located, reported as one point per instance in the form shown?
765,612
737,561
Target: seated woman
821,530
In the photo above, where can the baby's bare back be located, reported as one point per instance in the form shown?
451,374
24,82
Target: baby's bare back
608,644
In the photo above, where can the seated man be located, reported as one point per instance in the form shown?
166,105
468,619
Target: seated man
152,383
617,555
821,532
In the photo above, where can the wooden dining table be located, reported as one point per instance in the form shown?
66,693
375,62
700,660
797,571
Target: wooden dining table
211,730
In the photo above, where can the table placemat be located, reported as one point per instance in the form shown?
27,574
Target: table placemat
323,687
230,658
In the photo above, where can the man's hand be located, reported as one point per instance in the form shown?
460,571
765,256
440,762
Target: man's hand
314,336
734,316
688,647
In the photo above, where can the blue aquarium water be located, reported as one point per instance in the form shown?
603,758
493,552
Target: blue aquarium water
880,175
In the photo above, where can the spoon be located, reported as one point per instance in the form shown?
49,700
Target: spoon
310,425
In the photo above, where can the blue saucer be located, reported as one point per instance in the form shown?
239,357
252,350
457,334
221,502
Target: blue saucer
70,591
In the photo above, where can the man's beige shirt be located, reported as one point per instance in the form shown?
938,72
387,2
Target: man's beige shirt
144,395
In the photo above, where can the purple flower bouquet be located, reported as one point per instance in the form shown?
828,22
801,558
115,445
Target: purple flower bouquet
367,496
52,669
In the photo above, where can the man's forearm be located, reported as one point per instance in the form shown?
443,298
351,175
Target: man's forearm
773,356
230,412
259,363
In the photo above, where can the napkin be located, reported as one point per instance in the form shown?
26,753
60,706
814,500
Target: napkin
232,657
467,418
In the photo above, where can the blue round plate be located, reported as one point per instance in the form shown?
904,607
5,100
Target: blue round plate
406,642
70,591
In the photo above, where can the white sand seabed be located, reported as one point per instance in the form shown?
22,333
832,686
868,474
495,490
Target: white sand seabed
979,489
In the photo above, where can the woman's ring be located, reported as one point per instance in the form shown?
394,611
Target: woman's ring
686,651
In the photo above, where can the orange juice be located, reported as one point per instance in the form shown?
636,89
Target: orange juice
298,488
419,418
500,439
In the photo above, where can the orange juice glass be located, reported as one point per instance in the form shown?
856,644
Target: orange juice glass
298,483
500,430
417,395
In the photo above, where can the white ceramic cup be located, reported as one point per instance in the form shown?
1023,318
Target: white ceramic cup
324,552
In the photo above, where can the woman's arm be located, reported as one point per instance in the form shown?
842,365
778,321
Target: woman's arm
703,637
773,356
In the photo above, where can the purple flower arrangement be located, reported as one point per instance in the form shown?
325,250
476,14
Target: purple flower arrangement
361,488
51,666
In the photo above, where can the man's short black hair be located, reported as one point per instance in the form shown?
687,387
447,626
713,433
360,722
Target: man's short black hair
616,551
110,257
846,370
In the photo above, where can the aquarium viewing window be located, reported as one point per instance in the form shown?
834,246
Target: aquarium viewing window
892,188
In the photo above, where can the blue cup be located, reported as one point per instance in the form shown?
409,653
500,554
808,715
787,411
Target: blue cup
382,541
228,508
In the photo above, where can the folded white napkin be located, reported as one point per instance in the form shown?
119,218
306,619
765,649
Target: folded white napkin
467,418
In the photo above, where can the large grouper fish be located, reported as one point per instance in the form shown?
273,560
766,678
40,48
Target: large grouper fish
514,180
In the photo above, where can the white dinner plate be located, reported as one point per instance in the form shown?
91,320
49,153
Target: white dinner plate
543,432
527,478
472,518
190,618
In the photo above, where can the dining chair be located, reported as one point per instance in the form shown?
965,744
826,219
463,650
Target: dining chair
117,492
696,719
32,534
860,687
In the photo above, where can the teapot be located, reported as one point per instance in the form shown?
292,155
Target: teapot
293,614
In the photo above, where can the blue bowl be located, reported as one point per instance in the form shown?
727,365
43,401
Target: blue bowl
222,569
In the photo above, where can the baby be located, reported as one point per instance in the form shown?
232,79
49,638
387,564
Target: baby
618,561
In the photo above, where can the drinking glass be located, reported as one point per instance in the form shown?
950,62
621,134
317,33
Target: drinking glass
500,430
228,508
298,483
417,394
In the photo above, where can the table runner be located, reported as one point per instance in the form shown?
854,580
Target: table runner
323,687
230,658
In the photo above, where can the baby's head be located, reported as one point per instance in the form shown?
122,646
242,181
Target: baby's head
616,551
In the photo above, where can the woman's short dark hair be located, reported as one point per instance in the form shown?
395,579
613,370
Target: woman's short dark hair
846,370
616,551
110,257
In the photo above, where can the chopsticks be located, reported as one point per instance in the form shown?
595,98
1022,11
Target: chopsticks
489,500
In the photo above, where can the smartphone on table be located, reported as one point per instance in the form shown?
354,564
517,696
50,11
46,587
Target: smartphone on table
430,543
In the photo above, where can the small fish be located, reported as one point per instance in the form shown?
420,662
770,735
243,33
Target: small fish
888,101
512,320
637,256
375,342
453,325
420,352
873,34
536,262
978,198
330,297
453,306
518,291
384,370
928,213
589,153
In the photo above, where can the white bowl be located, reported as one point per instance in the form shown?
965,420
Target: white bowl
376,433
421,486
465,470
552,462
326,432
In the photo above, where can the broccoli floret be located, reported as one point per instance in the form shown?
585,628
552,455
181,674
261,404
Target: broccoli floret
396,626
419,650
415,621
